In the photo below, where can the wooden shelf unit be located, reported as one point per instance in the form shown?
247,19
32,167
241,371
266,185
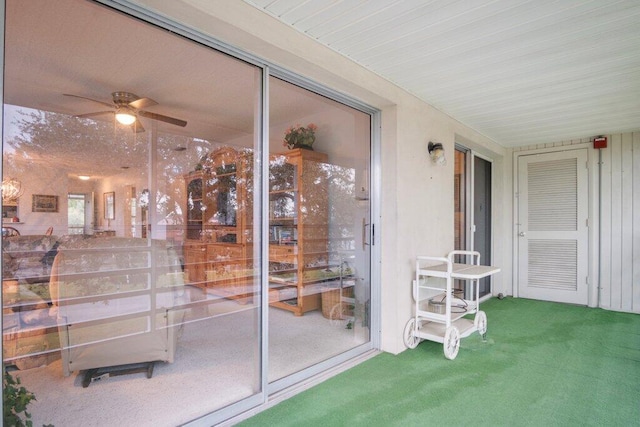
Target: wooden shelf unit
218,250
298,221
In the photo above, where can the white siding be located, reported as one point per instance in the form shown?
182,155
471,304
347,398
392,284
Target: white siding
619,220
636,222
620,224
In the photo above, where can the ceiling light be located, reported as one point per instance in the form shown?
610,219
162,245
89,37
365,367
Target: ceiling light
84,177
11,190
125,116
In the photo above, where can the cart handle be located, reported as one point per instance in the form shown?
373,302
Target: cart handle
475,254
432,258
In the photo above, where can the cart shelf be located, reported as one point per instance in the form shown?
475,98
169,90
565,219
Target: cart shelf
440,314
435,331
424,312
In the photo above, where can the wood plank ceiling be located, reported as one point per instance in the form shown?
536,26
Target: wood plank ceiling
519,71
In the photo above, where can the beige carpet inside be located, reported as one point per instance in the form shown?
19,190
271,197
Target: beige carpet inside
217,363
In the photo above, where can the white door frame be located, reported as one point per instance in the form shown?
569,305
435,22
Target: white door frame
594,218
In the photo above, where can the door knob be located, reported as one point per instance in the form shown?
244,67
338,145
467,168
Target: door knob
522,234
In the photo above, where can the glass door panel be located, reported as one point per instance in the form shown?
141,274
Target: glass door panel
472,212
319,287
179,299
482,216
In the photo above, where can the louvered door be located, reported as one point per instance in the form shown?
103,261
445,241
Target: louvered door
553,227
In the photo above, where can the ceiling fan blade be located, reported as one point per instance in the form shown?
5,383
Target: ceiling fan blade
142,103
137,126
88,115
162,118
90,99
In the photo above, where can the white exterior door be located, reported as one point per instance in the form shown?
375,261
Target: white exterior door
553,226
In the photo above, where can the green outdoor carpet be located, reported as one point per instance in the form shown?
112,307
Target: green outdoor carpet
544,364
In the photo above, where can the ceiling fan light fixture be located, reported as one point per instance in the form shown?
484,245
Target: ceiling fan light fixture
125,117
128,107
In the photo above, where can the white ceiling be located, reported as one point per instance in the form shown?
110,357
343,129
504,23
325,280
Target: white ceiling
518,71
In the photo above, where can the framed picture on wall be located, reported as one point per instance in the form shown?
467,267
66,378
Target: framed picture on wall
110,205
44,203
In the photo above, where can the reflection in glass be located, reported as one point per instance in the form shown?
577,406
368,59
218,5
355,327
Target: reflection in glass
282,205
282,175
226,200
186,290
319,288
141,285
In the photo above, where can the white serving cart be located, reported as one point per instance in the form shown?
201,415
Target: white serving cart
440,310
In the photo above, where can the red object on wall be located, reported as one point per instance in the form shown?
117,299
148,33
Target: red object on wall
600,142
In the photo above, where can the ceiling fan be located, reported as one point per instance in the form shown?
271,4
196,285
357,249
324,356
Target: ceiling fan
127,107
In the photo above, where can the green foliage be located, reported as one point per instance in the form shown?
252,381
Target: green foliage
15,399
300,137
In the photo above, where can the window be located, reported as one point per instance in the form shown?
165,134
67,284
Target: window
76,213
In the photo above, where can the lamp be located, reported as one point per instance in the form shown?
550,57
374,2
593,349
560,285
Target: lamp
436,152
125,116
11,190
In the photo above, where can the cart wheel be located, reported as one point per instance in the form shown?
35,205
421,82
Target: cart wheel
338,315
451,342
480,322
410,340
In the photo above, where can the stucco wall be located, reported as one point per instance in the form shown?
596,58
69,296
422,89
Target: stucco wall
416,205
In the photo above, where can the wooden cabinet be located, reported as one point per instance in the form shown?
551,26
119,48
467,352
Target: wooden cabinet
195,256
217,249
298,229
194,220
218,208
229,271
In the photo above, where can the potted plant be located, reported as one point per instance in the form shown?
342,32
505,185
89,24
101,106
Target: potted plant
15,399
300,137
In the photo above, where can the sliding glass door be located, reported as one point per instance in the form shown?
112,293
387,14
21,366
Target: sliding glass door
151,313
482,215
472,201
157,303
318,284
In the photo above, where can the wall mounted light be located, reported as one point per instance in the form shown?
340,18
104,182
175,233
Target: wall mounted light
84,177
436,152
